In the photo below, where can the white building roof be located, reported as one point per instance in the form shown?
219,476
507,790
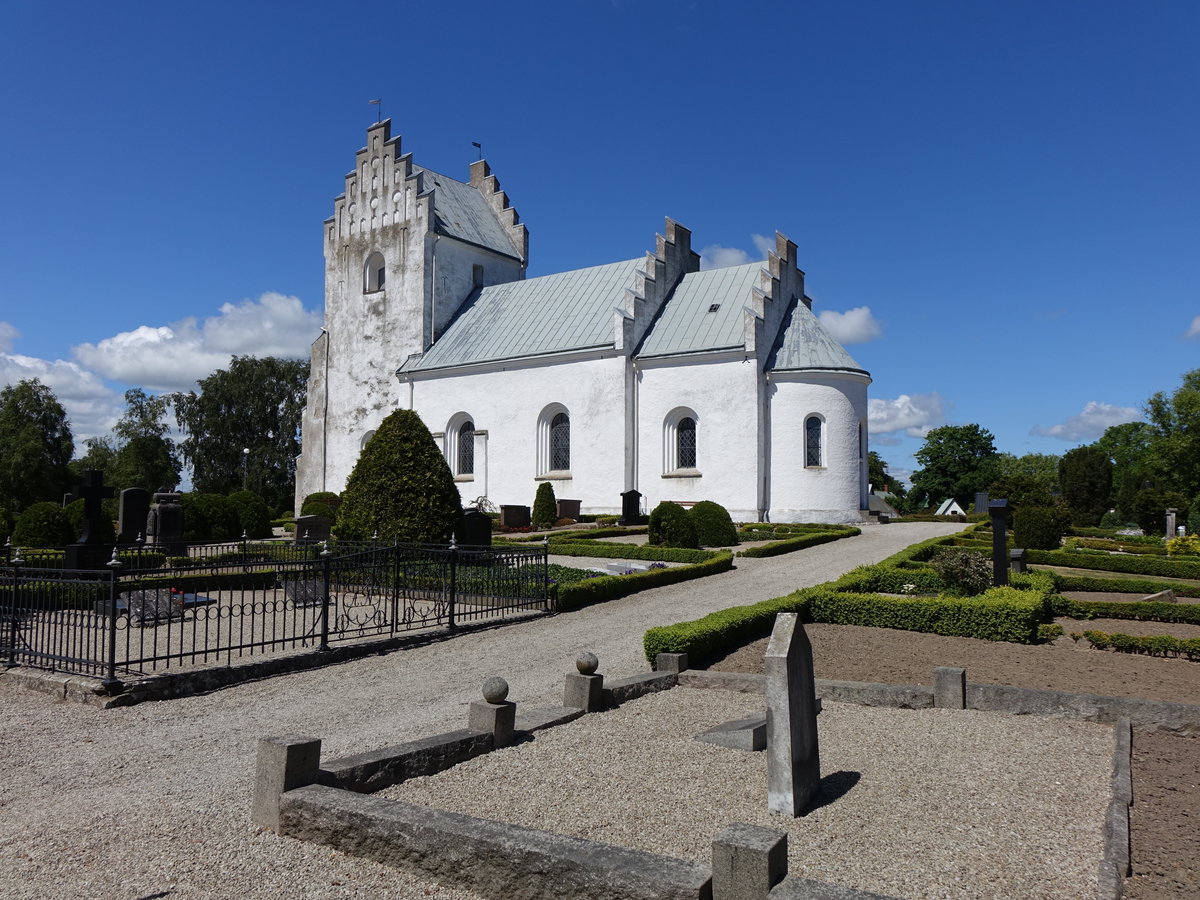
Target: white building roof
688,322
462,212
804,345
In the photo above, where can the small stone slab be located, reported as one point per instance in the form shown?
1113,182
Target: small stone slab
153,607
740,734
307,592
1167,596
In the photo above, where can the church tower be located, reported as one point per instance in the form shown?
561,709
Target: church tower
405,248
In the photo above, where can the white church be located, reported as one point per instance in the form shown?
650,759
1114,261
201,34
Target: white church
646,374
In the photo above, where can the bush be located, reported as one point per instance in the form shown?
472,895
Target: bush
1141,586
545,507
401,487
602,550
75,512
1188,545
963,571
253,514
1039,527
671,526
1156,645
44,524
209,517
322,503
1107,562
1051,632
1113,519
799,542
713,526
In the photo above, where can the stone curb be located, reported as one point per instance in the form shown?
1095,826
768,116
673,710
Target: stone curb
1115,864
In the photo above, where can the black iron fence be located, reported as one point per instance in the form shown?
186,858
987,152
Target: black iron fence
132,618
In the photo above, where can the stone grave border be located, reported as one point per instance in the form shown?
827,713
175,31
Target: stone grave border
298,796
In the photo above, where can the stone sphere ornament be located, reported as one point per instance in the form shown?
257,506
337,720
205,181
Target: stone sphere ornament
587,663
495,689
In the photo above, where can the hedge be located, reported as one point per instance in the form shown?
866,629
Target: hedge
610,587
1138,611
1156,645
1134,565
633,551
798,543
1121,585
223,581
704,639
881,579
1107,545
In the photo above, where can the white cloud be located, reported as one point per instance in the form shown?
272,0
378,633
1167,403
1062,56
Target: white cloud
714,256
1193,332
914,414
92,408
1091,423
174,357
7,335
854,326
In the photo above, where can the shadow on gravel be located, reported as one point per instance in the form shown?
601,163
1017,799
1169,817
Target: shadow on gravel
833,788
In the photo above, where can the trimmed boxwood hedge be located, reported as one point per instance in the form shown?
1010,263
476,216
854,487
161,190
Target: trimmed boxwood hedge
799,542
1138,611
610,587
633,551
1153,645
1134,565
1142,586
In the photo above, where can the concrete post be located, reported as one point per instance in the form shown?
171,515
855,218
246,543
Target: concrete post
793,758
494,714
586,690
1171,513
950,687
284,764
747,861
671,662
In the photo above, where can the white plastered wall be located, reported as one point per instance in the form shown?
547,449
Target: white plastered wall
836,490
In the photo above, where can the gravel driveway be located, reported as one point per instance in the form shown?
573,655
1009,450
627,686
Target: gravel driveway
152,800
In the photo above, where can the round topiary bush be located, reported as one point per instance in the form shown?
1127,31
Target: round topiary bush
401,487
545,507
714,527
671,526
963,571
254,516
322,503
44,524
209,517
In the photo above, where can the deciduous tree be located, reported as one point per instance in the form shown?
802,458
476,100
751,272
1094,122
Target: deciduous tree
1086,476
35,445
956,461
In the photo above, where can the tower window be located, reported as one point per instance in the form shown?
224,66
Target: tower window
374,273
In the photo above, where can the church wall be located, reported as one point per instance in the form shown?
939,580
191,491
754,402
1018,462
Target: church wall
723,394
508,404
833,491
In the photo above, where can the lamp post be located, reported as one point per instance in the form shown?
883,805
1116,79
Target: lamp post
245,468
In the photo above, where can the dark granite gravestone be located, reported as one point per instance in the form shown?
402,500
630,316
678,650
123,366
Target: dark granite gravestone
568,509
998,509
631,508
312,528
90,551
164,523
132,510
981,502
304,592
476,529
514,516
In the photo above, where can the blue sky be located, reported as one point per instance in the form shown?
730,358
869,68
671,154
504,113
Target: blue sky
997,204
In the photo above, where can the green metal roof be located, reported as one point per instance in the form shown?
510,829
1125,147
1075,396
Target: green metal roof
804,344
535,317
464,213
688,323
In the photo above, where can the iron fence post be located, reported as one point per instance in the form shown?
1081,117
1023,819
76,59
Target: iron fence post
325,565
453,578
114,569
546,571
15,562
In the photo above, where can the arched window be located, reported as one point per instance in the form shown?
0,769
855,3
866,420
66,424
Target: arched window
466,448
680,444
554,441
374,273
365,439
813,428
560,442
685,443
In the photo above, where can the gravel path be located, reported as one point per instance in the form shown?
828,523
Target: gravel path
152,800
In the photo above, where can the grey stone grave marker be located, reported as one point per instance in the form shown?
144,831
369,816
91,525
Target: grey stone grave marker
164,523
304,592
132,510
152,607
793,757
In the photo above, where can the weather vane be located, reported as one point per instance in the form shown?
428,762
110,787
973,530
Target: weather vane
378,110
478,146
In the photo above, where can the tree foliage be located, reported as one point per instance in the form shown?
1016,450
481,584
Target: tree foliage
44,524
1174,451
254,405
1086,476
145,457
401,487
1127,446
877,475
671,526
545,507
956,461
35,445
714,527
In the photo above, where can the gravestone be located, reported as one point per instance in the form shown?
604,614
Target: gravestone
631,508
981,502
514,516
998,509
164,523
312,528
567,509
793,757
304,592
1171,513
153,607
132,511
90,551
476,529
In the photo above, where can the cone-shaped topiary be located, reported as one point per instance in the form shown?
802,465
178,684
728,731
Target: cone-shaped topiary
43,525
714,527
545,507
670,526
322,503
401,487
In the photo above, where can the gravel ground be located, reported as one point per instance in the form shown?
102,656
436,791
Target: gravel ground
936,803
153,800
